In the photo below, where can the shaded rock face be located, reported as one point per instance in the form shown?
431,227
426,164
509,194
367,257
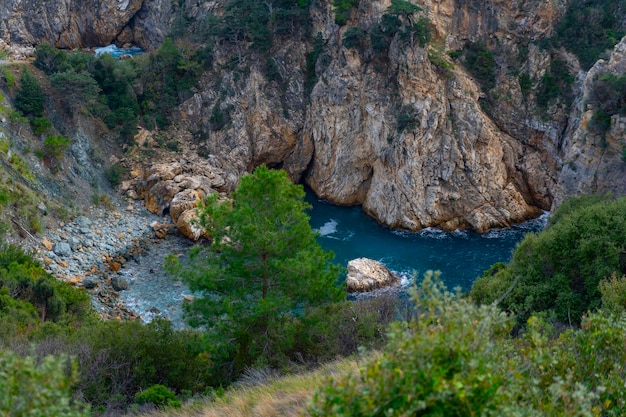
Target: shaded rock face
66,23
368,275
592,163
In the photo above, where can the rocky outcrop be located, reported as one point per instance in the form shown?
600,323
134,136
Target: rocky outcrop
367,275
176,188
593,162
65,23
454,166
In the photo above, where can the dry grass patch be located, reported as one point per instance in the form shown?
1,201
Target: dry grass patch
276,396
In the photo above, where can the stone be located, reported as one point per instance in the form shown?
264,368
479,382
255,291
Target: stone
185,200
90,282
158,197
47,244
119,283
187,225
82,222
367,275
62,249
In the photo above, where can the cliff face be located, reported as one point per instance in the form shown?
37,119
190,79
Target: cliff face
405,130
79,24
452,165
594,163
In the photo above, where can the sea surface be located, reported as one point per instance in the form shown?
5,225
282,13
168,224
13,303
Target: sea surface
461,256
118,52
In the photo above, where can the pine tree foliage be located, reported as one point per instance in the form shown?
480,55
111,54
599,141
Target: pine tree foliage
263,272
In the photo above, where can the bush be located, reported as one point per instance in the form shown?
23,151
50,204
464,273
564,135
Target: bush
457,359
40,125
114,174
589,28
407,119
525,83
122,358
555,85
481,64
158,395
608,96
55,146
353,37
76,89
49,59
341,329
557,271
28,388
29,98
25,280
342,9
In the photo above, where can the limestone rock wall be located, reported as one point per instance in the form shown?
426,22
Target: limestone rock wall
593,164
457,166
73,24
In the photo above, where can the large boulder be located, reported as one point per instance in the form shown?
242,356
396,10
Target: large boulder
188,225
367,275
185,200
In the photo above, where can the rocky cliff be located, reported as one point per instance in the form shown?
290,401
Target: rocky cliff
454,165
71,24
409,127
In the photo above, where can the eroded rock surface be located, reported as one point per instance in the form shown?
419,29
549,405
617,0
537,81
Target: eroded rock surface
367,275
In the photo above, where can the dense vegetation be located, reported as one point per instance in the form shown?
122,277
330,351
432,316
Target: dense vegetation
608,98
557,272
589,28
456,358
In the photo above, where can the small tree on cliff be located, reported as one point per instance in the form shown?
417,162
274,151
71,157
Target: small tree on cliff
262,274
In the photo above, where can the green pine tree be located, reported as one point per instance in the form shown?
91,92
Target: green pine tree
29,98
264,270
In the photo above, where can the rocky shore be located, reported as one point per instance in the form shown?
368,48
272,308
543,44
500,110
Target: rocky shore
90,252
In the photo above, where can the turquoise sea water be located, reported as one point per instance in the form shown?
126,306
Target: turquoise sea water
461,256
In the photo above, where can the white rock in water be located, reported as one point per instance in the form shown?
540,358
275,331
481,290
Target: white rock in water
367,275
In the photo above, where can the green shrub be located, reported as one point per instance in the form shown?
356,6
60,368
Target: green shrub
29,98
589,28
158,395
76,89
49,59
555,85
557,271
459,359
353,37
608,96
114,174
481,64
132,356
342,9
341,329
30,388
54,146
525,83
613,290
407,119
40,125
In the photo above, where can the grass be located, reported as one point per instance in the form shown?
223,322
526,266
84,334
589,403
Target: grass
276,396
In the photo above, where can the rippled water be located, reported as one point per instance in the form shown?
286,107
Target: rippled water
461,256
